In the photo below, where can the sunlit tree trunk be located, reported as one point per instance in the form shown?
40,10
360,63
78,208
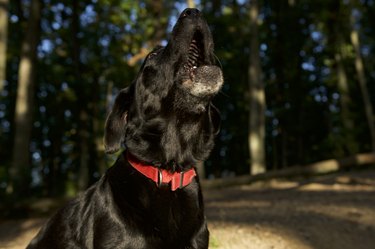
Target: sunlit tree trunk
3,40
362,82
338,28
345,99
190,3
20,169
343,87
256,135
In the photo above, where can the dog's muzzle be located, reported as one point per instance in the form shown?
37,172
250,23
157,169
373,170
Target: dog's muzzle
205,80
200,77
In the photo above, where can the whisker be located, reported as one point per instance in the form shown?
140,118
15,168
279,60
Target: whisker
217,59
224,94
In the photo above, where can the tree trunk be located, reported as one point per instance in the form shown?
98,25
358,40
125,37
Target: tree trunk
256,136
343,87
84,170
359,67
83,116
190,3
312,169
20,170
3,40
338,28
97,126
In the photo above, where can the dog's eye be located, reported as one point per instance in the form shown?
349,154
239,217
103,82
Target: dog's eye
151,55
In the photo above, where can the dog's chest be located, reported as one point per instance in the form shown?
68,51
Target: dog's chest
175,209
157,216
177,225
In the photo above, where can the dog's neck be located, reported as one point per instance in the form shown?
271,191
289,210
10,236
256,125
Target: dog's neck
174,143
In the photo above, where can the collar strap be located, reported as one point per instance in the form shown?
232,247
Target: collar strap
160,176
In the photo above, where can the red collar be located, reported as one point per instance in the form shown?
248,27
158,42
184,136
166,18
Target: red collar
159,176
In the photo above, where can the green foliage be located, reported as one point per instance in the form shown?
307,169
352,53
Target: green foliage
214,243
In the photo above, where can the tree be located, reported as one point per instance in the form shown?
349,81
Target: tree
3,40
256,136
287,85
20,169
337,33
190,3
81,86
360,70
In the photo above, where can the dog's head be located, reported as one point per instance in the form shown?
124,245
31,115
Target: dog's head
172,92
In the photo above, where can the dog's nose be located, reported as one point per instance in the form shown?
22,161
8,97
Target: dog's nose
190,12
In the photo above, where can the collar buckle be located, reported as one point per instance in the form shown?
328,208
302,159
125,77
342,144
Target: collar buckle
160,178
182,179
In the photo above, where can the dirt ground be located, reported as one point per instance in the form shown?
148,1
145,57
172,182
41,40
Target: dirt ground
328,212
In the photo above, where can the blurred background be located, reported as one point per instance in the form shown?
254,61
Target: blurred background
299,84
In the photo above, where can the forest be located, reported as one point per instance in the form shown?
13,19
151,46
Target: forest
299,84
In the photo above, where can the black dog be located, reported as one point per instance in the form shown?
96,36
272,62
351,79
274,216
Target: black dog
151,197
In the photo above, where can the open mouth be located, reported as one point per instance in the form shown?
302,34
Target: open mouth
198,75
195,57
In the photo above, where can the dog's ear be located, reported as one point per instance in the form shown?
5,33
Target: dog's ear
215,118
115,125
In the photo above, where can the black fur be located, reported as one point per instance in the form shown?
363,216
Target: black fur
164,118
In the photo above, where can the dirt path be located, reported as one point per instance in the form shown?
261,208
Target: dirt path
330,212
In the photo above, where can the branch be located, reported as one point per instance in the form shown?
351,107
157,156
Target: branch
137,57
